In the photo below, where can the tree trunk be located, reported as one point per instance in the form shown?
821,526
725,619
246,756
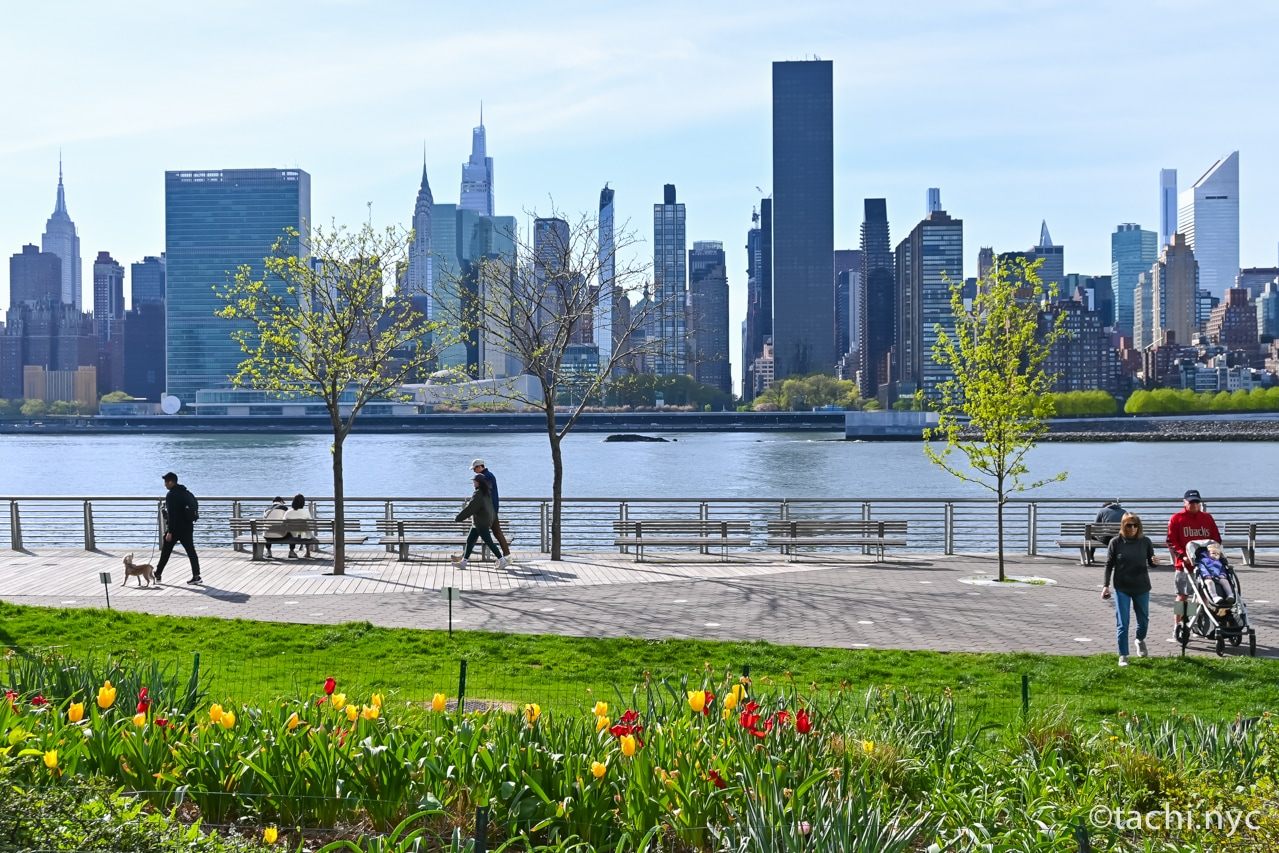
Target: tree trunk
557,495
339,510
999,527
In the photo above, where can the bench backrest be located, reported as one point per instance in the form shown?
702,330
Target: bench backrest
402,526
837,527
687,526
261,526
1090,528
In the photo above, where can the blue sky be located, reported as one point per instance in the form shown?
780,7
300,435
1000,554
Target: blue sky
1019,111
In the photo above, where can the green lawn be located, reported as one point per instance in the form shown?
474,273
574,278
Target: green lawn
256,661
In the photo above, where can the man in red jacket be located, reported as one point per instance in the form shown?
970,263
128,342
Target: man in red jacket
1189,524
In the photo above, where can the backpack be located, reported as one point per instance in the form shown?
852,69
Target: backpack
193,507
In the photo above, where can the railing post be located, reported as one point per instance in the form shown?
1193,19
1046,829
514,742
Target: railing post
1032,524
785,510
235,514
388,512
545,527
703,514
949,526
159,523
15,527
90,542
866,517
622,510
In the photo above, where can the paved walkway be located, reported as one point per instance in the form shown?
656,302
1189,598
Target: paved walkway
907,602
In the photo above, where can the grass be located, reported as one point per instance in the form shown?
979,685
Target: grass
260,661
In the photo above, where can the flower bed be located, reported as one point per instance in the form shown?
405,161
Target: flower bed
678,766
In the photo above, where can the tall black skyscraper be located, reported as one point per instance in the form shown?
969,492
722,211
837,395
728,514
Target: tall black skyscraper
35,277
875,334
708,315
803,218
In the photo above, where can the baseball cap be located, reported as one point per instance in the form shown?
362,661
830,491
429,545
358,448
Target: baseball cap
478,463
1192,495
170,476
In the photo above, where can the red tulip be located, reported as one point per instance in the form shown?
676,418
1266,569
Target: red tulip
803,724
710,697
162,722
716,779
781,717
144,700
39,700
330,684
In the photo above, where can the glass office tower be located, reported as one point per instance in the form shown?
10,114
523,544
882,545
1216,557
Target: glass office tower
215,222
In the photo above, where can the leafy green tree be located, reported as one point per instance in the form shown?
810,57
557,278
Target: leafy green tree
330,329
34,408
999,402
64,407
10,408
116,397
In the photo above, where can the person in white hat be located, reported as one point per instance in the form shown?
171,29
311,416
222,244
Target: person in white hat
478,466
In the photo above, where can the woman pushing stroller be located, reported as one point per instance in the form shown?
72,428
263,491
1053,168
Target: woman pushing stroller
1129,557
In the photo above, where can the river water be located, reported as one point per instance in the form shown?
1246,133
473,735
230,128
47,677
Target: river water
722,464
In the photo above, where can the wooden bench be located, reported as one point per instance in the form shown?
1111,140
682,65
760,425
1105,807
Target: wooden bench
1261,534
789,534
701,533
401,533
1087,536
300,531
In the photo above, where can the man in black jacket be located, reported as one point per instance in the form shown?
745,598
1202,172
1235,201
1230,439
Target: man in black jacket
480,468
179,526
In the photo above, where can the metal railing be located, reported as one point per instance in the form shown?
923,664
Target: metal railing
944,525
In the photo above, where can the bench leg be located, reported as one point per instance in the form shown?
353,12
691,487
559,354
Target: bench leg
257,552
404,553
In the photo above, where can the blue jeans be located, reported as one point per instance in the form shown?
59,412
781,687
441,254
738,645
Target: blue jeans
1140,604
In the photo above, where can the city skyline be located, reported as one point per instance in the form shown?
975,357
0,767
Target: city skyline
563,128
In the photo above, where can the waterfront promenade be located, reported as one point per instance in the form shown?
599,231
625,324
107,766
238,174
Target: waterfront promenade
910,601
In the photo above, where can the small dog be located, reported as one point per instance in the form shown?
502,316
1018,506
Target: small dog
140,571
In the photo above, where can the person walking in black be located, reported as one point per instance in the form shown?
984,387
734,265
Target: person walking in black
480,468
180,511
479,509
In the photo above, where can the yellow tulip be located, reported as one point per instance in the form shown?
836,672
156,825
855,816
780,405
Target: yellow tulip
438,702
598,770
730,701
376,700
628,745
106,695
601,709
270,835
339,699
531,712
697,700
868,746
51,759
215,714
370,712
76,712
601,723
227,719
293,722
352,713
140,719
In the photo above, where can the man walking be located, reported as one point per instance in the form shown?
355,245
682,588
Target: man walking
478,467
1193,522
180,514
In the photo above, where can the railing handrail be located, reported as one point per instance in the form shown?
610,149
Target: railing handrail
938,499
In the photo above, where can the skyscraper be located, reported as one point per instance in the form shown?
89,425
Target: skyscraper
477,175
1208,215
847,298
216,221
666,330
1053,272
608,295
147,280
879,298
985,260
803,217
1132,252
933,203
708,315
1173,292
1143,314
108,297
61,239
752,340
927,260
1167,205
1268,312
418,280
35,277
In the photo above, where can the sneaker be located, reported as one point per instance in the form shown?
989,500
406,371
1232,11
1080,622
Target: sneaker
459,562
158,576
1142,651
1123,660
195,581
502,561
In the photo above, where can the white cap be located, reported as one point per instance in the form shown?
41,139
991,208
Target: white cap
478,463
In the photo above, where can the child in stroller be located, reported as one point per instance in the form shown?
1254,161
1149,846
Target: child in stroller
1211,571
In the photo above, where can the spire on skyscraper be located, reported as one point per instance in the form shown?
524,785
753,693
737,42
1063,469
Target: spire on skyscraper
477,173
61,239
1045,239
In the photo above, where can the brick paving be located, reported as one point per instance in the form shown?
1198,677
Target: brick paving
907,602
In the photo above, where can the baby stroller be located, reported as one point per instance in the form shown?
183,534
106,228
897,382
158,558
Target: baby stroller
1215,608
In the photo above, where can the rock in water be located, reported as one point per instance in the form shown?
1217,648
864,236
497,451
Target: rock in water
631,436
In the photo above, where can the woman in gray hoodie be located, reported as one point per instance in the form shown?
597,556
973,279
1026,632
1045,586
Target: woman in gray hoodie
1129,557
480,510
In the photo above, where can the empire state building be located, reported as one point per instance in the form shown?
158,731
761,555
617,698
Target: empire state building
60,239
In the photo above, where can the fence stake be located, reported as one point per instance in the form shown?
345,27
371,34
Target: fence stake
461,686
15,527
481,829
90,541
1025,694
1081,835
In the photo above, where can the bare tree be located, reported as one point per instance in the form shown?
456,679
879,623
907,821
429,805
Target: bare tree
320,323
540,309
